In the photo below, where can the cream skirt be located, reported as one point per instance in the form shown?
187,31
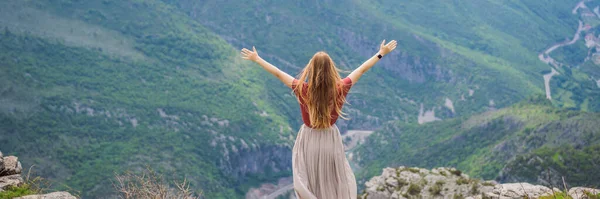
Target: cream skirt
320,167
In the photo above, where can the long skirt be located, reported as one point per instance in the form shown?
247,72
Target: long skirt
319,164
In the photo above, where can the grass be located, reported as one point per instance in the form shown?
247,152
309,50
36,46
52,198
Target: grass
30,186
563,195
13,192
557,195
592,196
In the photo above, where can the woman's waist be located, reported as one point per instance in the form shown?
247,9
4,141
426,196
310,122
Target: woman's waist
332,127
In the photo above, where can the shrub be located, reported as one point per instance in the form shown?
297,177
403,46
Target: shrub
401,183
414,170
486,183
456,172
150,184
474,189
461,181
414,189
443,173
435,189
440,183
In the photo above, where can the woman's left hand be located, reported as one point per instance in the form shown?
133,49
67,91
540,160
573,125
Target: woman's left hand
250,55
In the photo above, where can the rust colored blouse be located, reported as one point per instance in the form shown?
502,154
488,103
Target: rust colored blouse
304,109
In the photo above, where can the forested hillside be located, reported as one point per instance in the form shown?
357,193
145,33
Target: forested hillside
93,88
90,89
528,142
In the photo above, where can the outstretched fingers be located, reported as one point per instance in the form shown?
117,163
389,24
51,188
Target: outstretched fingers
393,42
248,54
392,45
245,53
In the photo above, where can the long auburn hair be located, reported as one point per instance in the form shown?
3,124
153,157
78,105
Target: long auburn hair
323,92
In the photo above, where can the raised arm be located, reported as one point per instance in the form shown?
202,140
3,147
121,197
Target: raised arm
253,56
383,50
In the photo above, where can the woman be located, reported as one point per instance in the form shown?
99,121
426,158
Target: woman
320,168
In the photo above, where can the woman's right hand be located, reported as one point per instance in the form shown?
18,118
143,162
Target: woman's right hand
387,48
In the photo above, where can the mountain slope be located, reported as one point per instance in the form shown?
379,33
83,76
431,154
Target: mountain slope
89,88
137,85
485,144
465,58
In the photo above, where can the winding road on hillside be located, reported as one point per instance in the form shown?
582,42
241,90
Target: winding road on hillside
279,192
545,56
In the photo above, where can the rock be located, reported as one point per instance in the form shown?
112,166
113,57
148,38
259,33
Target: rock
516,190
580,192
405,182
55,195
556,190
11,166
1,162
11,180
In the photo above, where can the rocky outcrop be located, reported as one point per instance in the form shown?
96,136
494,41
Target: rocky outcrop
10,172
405,182
10,176
12,166
55,195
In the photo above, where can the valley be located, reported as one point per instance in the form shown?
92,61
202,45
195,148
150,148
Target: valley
90,89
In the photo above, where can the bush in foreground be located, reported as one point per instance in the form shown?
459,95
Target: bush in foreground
150,184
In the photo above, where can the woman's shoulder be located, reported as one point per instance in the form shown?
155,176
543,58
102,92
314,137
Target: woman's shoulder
347,81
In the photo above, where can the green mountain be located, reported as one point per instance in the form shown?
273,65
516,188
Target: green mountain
93,88
531,141
460,54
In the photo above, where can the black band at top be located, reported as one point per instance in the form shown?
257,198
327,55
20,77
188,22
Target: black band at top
379,56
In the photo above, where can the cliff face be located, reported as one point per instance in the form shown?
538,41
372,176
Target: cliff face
260,161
